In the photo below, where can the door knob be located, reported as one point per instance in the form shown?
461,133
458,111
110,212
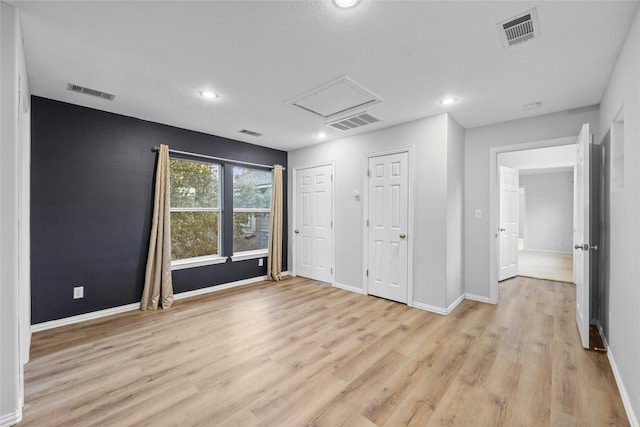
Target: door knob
586,247
296,231
402,235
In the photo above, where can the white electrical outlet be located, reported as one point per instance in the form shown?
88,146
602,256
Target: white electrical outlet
78,292
260,262
478,214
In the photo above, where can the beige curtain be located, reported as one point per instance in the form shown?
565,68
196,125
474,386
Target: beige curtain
158,289
274,264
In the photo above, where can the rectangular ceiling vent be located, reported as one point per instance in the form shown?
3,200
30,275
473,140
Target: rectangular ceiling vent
336,98
87,91
347,123
519,29
250,132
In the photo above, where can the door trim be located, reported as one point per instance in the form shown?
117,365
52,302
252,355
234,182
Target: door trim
294,176
494,201
410,216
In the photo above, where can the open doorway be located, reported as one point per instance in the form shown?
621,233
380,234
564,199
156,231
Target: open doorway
542,214
546,206
585,240
527,158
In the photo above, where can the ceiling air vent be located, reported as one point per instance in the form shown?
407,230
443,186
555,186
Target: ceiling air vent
519,29
353,122
87,91
250,132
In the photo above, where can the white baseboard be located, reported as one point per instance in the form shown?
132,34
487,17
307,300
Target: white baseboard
455,304
136,305
11,419
431,308
478,298
544,251
84,317
421,306
624,395
439,310
349,288
222,287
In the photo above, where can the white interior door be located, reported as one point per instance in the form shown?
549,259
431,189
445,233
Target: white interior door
314,221
581,235
388,178
508,232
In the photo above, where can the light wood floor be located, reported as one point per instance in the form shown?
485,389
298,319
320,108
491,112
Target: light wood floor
302,353
546,265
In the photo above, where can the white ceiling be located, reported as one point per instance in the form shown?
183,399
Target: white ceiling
156,56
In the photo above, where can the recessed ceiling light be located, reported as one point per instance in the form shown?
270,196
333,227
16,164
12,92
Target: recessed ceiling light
532,106
346,3
208,94
448,101
322,135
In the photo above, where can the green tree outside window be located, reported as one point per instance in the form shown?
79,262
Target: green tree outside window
251,208
195,208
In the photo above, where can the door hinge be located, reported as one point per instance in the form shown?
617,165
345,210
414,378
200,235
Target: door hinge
367,273
331,270
331,224
368,173
367,223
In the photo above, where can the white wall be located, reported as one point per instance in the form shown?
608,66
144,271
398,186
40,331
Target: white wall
455,201
549,211
478,144
522,209
624,289
431,154
14,219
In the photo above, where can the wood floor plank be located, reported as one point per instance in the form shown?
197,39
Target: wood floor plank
359,391
299,352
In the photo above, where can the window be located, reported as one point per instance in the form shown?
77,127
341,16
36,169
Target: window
201,232
251,209
195,209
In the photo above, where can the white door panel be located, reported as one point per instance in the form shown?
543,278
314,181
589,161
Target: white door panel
509,187
581,235
388,223
313,232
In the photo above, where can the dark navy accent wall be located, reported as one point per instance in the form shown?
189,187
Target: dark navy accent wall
92,178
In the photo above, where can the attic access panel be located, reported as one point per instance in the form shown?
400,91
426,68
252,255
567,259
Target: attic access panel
336,98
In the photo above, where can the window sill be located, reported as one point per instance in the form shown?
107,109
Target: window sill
241,256
197,262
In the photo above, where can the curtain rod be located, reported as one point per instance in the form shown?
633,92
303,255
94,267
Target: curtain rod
222,159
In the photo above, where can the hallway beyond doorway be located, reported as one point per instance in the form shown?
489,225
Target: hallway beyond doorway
546,265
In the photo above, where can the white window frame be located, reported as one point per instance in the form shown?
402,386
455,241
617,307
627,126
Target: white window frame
258,253
203,260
